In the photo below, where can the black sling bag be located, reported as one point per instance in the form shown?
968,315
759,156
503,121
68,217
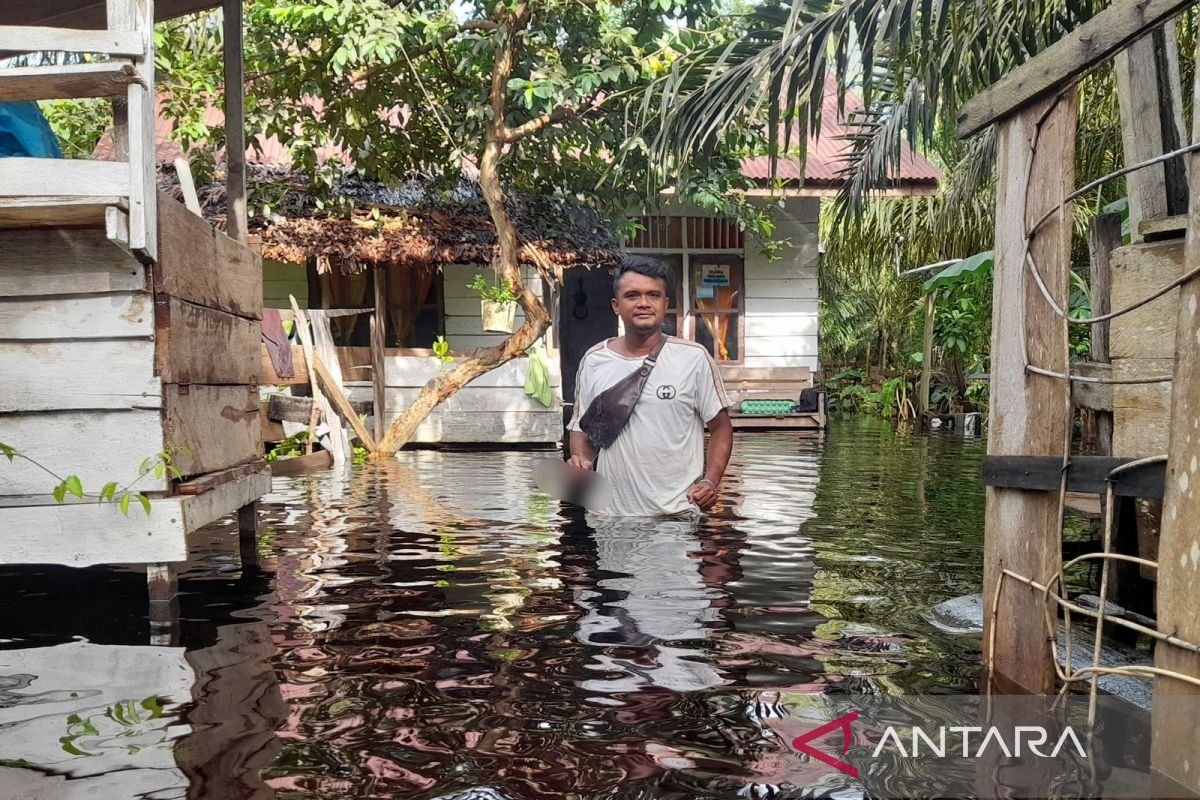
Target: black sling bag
608,414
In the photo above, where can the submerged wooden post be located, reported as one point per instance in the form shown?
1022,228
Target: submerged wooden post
248,534
235,125
1175,735
1029,414
378,345
927,352
162,584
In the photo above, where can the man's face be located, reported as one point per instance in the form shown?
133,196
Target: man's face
641,302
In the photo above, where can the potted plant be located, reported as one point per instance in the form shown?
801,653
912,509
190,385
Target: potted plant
498,305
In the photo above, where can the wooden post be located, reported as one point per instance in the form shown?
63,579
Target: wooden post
1029,414
1104,236
1148,95
162,584
1175,734
378,345
134,126
248,534
235,125
927,353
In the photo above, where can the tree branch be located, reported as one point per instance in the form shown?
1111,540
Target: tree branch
561,114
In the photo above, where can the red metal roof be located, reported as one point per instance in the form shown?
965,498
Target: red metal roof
827,152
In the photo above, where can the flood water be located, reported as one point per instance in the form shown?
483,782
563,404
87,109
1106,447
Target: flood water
436,628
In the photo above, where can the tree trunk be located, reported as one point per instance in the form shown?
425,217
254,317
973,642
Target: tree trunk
506,264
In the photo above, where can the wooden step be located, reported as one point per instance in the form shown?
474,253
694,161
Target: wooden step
58,82
28,39
60,177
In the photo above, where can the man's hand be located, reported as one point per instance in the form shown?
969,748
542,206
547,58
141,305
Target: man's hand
703,493
580,462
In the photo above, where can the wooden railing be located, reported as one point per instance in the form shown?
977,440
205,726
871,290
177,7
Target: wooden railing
120,195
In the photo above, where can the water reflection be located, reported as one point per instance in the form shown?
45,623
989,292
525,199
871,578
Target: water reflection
435,627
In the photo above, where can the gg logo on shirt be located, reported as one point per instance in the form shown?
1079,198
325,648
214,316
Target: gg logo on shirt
666,392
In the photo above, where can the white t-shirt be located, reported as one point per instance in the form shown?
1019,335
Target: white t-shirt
660,452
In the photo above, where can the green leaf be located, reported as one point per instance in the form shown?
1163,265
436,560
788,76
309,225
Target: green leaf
74,486
145,501
124,504
108,491
7,451
60,492
962,271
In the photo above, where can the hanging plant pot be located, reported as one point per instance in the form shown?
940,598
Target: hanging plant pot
498,317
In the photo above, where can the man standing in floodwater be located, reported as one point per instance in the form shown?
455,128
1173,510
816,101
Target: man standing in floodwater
656,466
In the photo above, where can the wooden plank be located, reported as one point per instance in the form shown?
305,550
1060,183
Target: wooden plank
197,344
467,400
95,316
96,446
416,371
1137,78
786,422
211,427
1175,729
780,306
38,177
299,465
30,39
781,345
235,125
501,427
1061,64
212,480
272,431
801,375
106,79
378,347
1104,236
51,262
1141,412
55,211
804,288
83,534
1137,272
78,374
927,352
1029,416
199,510
204,266
766,327
269,377
342,404
1166,228
1087,474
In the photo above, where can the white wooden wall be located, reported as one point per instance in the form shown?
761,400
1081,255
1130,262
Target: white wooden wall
491,409
781,296
464,329
79,393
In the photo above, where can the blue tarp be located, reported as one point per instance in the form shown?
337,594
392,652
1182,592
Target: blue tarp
25,132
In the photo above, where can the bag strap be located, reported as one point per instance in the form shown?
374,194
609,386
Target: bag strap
652,357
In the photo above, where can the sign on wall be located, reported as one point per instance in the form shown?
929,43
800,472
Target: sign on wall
714,274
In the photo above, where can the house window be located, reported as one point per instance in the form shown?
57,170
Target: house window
717,296
414,300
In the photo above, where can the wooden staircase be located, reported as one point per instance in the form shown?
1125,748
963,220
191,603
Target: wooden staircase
119,196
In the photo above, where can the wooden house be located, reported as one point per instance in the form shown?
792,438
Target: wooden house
129,327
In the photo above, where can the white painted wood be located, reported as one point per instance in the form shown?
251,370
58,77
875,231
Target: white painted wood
29,39
187,185
38,177
64,261
782,325
803,288
79,374
82,534
97,446
416,371
510,427
116,316
116,227
781,345
767,362
481,401
202,509
757,308
87,680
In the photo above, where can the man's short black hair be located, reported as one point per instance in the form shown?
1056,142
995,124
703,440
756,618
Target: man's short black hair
642,265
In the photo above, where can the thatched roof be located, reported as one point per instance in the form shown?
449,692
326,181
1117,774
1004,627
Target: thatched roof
407,225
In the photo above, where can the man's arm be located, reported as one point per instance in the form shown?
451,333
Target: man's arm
583,454
720,444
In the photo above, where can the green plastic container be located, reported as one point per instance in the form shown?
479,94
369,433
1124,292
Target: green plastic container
769,407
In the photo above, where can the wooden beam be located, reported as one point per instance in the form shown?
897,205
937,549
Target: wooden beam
235,125
1029,412
202,509
39,177
378,345
1061,64
341,404
108,79
1087,474
927,352
1175,730
298,465
187,185
137,118
1104,236
1167,228
30,39
212,480
287,408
